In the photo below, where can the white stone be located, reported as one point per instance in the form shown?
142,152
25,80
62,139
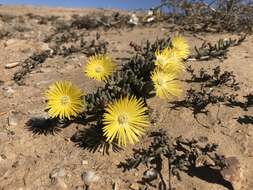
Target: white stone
90,177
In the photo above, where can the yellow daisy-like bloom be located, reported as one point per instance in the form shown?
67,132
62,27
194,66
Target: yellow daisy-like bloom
180,47
125,120
167,60
162,57
165,84
64,100
99,67
174,62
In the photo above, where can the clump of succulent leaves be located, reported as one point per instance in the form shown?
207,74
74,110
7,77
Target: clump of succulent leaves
29,65
218,50
133,78
248,103
61,47
70,42
216,78
88,22
215,87
180,154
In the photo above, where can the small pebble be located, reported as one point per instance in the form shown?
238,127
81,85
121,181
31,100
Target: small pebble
233,172
89,177
57,172
45,47
13,119
134,186
8,92
150,174
12,65
84,162
59,184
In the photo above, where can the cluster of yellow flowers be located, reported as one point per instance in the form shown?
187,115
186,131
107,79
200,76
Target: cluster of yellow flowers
169,63
125,119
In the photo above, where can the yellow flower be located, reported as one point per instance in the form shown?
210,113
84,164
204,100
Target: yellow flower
125,120
64,100
174,62
165,84
167,60
180,47
99,67
162,57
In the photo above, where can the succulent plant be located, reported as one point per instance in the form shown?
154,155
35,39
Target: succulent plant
132,79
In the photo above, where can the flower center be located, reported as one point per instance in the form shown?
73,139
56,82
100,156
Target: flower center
161,60
122,119
65,100
160,81
99,69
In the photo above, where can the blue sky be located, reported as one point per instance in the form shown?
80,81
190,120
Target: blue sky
122,4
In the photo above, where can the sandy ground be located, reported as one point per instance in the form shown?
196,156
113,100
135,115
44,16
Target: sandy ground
28,159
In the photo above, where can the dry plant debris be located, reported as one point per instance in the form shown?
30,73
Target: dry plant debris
218,16
115,20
